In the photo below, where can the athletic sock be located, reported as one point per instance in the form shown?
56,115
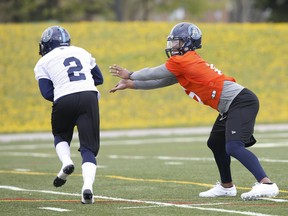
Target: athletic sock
88,173
63,152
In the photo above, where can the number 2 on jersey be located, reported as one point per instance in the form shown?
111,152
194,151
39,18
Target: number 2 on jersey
74,69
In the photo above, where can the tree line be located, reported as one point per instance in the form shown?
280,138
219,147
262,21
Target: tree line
144,10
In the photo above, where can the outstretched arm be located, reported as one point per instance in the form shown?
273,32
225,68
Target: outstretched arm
154,73
146,78
143,84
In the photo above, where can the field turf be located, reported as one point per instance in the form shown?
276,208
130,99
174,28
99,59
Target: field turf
138,174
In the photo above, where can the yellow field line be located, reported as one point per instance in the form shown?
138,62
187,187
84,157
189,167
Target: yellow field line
172,181
30,173
127,179
157,180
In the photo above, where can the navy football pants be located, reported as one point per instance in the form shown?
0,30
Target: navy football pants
232,133
79,109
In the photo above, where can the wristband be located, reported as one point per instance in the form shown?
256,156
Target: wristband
130,73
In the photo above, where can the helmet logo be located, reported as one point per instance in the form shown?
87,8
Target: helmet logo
63,35
194,32
46,36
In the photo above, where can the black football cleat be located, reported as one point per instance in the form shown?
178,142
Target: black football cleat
67,170
87,197
58,182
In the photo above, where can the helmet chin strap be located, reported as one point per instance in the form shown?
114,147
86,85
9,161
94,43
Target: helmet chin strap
186,49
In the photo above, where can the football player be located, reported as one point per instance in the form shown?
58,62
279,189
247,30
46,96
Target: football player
233,129
67,76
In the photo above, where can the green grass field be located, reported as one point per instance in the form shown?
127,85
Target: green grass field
139,175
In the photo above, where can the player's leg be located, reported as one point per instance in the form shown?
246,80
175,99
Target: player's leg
89,167
239,132
63,152
62,127
88,128
216,143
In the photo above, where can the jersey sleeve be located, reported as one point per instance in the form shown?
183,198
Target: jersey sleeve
153,84
46,89
40,72
92,62
154,73
97,76
172,65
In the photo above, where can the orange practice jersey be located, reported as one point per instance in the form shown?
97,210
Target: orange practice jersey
201,81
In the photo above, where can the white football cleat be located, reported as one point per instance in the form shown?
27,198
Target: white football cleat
218,190
261,190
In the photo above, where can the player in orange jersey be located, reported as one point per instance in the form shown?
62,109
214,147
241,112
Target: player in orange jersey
233,129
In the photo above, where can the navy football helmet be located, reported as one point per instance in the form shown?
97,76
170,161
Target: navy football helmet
183,38
52,37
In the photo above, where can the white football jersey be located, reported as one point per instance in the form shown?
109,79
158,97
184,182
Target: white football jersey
69,68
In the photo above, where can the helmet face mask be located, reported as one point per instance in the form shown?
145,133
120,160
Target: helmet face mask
53,37
175,46
183,38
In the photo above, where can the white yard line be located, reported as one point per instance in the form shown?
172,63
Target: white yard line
133,157
153,203
271,145
169,158
139,132
261,144
154,206
28,154
54,209
274,199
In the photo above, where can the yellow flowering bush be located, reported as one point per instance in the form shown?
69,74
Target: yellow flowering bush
255,54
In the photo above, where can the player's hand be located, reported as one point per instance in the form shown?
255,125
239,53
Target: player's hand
118,71
123,84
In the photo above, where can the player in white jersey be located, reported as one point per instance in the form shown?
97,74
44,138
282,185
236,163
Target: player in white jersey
68,76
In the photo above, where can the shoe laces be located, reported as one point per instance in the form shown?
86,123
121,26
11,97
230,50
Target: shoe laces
256,184
218,184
